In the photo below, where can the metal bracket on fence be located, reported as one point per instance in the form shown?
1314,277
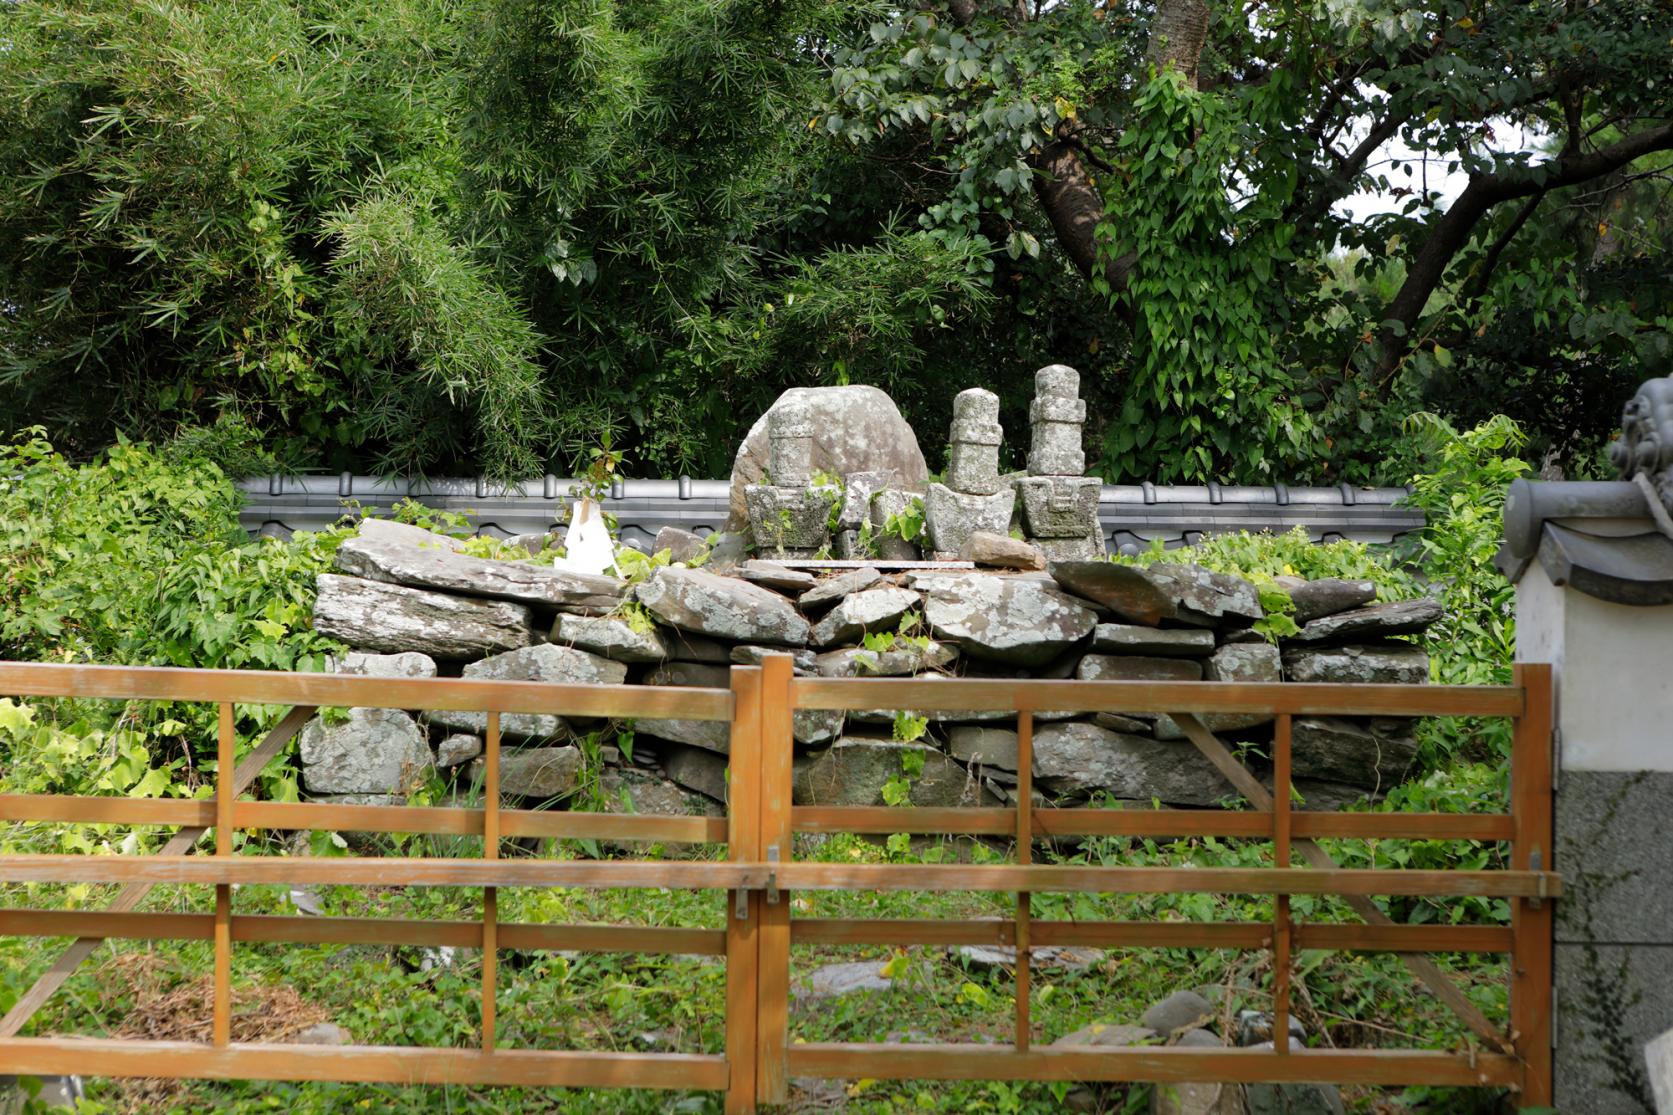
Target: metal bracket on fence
741,909
772,875
1536,864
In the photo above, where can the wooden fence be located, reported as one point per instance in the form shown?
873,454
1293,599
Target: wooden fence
760,1054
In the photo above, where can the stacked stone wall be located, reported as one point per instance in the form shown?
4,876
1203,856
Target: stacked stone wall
412,604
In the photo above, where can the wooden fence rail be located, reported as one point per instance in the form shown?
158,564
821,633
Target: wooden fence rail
760,872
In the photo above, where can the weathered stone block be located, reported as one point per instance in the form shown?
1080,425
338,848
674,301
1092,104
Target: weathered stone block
433,564
853,771
1183,593
790,521
1337,750
780,578
892,504
1084,758
951,517
878,609
536,772
1172,642
610,636
855,428
696,768
547,663
899,661
409,664
389,618
1008,619
1404,617
376,751
1327,596
726,608
1106,667
1000,551
833,589
1394,663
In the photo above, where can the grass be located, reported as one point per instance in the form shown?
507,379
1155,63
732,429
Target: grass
390,995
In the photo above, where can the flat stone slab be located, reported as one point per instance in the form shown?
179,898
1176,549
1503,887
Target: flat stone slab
409,664
1394,663
1162,642
860,613
393,619
776,576
1180,593
610,637
547,663
898,661
1061,958
432,563
854,770
836,980
1327,596
1018,620
722,607
1333,749
1404,617
1083,758
1001,551
827,592
1125,667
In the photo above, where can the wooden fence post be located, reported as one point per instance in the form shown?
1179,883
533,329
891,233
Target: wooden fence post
743,908
773,973
1531,920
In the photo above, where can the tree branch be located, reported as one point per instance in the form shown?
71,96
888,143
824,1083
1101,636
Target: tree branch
1452,230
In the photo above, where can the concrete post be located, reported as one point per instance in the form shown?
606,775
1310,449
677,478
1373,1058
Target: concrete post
1594,597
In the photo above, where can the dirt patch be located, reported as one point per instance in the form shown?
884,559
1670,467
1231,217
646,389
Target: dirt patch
164,1009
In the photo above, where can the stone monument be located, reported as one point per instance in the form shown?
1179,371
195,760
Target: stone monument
974,497
1059,502
790,515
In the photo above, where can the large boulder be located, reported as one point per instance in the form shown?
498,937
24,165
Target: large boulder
375,751
393,619
1020,620
856,429
1186,594
853,771
723,607
548,663
1079,758
430,562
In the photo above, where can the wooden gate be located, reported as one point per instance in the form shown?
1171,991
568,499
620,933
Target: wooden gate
760,1054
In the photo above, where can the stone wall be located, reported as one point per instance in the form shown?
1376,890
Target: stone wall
412,604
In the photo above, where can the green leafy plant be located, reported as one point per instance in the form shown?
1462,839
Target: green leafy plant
907,524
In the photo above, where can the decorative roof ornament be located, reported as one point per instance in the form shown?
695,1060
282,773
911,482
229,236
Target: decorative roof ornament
1644,452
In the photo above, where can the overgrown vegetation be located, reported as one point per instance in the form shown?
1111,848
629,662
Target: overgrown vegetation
136,558
456,236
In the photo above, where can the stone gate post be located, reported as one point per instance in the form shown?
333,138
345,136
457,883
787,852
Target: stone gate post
1593,569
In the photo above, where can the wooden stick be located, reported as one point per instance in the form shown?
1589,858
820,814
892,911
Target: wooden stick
1422,967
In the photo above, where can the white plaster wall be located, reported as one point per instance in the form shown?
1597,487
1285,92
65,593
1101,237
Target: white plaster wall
1659,1056
1614,674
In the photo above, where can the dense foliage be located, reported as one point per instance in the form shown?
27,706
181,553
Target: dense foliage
437,236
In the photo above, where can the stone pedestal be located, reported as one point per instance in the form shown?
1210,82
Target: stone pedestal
789,517
1059,505
974,497
1060,514
954,516
1594,597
